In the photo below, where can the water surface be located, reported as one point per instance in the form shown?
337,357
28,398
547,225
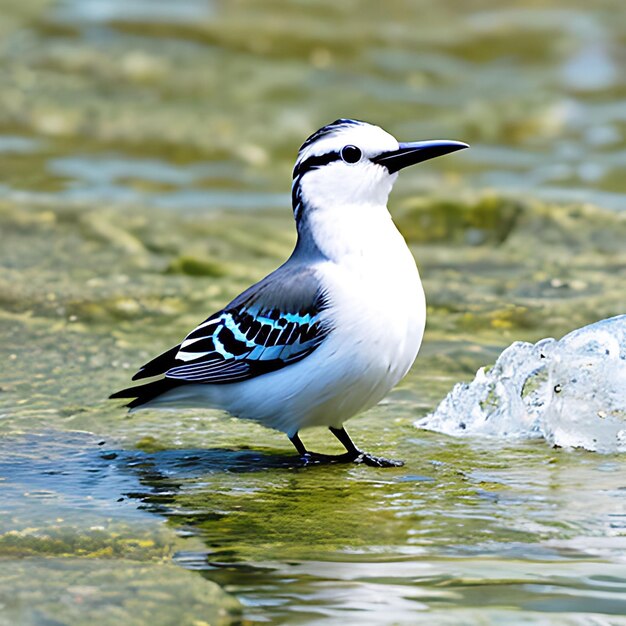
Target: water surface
146,150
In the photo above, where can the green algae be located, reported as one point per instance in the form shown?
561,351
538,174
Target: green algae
103,542
486,220
194,266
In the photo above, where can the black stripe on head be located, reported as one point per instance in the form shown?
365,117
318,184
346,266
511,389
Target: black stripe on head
313,162
323,159
328,130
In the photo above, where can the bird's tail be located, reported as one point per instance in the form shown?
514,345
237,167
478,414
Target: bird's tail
143,394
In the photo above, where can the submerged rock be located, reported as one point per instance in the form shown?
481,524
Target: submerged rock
105,592
572,392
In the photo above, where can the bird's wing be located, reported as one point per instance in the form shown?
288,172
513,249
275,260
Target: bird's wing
275,323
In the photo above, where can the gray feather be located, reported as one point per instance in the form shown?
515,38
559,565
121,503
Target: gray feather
293,288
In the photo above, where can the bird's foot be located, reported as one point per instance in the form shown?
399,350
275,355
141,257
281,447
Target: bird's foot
311,458
315,458
377,461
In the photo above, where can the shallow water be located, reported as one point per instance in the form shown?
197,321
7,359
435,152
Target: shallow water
145,150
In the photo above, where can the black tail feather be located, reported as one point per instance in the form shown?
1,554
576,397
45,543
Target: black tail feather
147,392
159,365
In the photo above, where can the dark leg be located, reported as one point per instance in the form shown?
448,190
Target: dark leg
352,455
343,436
314,457
356,455
297,442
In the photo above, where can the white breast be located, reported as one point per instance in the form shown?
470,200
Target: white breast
378,309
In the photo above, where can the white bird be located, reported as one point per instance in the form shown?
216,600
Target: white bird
332,330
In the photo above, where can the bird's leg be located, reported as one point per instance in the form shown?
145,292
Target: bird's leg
356,455
352,454
297,442
314,457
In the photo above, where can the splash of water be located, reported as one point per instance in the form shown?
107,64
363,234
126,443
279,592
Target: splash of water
572,392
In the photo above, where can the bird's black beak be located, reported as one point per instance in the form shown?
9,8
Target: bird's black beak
416,152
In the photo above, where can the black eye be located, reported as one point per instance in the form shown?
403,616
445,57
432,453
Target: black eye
351,154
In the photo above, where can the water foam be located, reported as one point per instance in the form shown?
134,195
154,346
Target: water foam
572,392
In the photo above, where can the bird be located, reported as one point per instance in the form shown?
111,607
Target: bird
331,331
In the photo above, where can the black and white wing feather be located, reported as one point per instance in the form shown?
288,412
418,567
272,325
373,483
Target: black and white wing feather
275,323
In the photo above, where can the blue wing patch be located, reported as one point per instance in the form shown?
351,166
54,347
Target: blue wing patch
243,342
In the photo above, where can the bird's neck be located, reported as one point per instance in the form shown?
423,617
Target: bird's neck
358,232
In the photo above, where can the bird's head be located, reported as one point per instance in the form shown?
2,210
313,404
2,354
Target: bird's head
354,164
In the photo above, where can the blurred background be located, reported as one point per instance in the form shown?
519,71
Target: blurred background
177,103
146,149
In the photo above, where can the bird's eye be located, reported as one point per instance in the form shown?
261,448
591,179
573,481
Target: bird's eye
351,154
